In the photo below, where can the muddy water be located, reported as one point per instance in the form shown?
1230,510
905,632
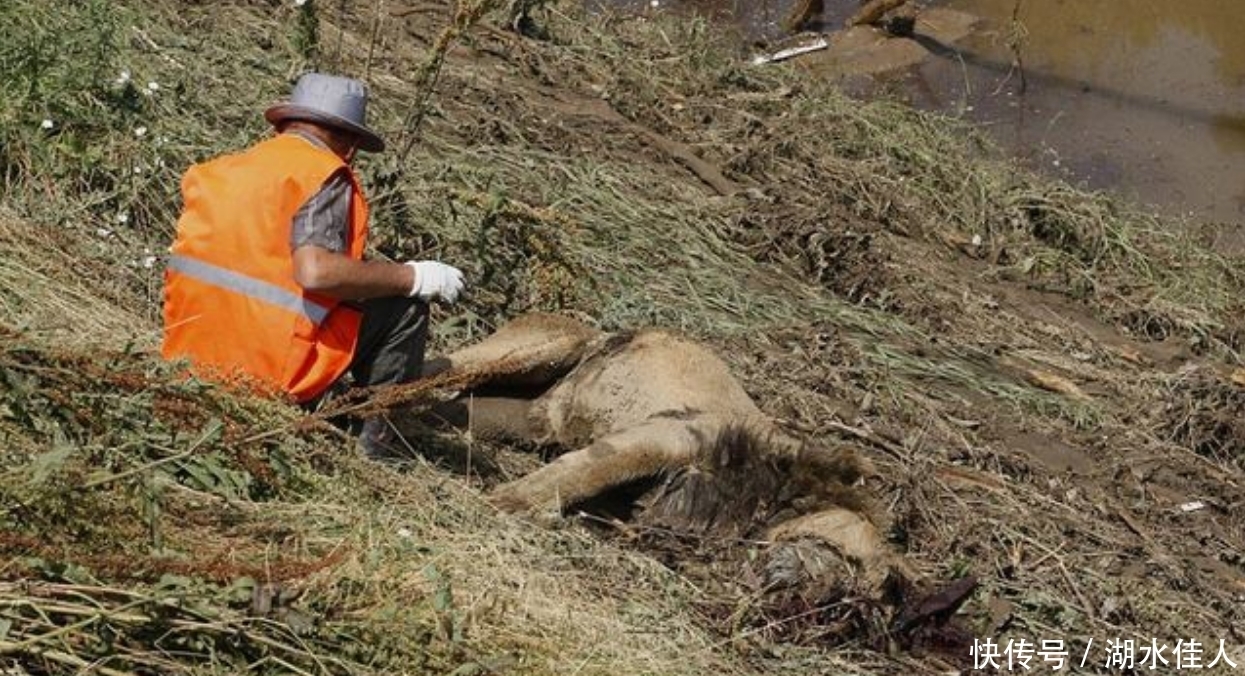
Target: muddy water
1145,98
752,20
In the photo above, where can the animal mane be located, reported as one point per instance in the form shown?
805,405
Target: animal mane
741,483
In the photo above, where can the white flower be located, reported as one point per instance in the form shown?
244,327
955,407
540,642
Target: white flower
152,87
976,240
123,218
654,4
149,262
402,532
47,124
138,170
124,77
299,3
103,232
140,131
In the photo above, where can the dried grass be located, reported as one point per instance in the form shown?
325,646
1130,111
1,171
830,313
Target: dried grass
556,173
50,284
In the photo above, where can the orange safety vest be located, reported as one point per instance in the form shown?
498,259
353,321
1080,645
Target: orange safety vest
231,304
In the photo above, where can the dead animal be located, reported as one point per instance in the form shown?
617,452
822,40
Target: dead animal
654,409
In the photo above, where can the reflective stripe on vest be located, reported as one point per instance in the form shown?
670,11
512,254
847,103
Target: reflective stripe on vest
250,287
232,305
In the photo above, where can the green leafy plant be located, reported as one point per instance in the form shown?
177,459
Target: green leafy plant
305,38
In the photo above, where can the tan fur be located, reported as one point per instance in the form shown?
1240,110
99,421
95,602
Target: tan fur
535,349
637,451
653,373
654,404
830,542
614,400
851,534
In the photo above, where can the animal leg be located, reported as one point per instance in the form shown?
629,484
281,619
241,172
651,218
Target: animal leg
531,351
643,450
503,418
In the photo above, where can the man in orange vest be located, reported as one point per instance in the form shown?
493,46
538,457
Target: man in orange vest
267,281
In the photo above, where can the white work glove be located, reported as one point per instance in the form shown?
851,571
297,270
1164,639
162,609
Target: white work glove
435,280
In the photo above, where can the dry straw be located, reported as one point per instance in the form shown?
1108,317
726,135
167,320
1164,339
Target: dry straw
876,276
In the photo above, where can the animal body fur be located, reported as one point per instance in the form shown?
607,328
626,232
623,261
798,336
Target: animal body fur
654,405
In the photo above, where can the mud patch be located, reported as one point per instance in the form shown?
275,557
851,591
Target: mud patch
1051,453
1133,95
864,50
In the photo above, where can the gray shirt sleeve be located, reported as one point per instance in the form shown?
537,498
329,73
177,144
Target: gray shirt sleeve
324,219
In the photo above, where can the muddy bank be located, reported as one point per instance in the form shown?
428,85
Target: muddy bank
1037,377
1145,100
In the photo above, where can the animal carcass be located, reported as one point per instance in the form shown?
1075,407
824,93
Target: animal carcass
651,406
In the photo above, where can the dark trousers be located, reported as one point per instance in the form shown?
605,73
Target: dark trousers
390,350
391,341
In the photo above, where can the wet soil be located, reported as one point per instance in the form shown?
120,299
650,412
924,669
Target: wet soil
1076,525
1021,433
1141,98
1144,98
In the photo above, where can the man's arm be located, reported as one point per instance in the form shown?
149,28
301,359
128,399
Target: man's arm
333,274
318,243
318,240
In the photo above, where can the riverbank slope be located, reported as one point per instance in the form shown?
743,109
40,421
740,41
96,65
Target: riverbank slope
1046,379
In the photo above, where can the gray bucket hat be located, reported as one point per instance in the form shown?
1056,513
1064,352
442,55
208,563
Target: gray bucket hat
331,100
